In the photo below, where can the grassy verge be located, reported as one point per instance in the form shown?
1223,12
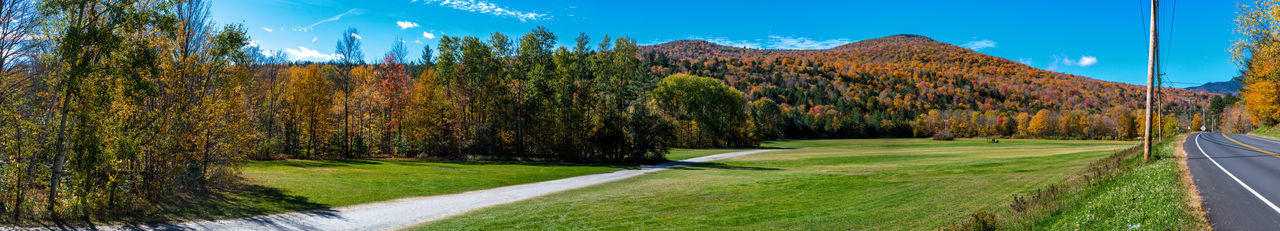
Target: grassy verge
869,184
1116,192
1152,196
1267,131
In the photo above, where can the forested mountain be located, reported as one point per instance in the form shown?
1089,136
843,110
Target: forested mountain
1229,87
911,85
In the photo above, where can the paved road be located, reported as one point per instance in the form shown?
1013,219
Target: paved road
1239,178
401,213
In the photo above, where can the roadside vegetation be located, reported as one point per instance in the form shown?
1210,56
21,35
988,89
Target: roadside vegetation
1153,196
1272,132
1115,192
872,184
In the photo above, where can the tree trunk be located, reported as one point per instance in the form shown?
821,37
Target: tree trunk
60,157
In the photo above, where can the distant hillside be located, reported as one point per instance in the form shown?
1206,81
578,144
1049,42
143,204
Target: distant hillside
1229,87
887,81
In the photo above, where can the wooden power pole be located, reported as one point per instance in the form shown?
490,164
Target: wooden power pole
1151,75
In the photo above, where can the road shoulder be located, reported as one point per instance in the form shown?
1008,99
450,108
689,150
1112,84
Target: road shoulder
1194,201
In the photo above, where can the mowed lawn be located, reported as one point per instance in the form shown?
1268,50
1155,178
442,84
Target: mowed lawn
291,185
346,182
867,184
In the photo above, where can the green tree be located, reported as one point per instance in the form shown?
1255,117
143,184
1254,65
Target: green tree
715,110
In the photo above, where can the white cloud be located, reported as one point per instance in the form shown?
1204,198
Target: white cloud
330,19
268,29
406,24
357,36
253,43
483,7
417,41
980,44
802,43
267,53
1026,61
302,53
428,35
313,39
1086,61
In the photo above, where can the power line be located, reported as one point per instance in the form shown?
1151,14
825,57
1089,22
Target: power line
1142,22
1173,18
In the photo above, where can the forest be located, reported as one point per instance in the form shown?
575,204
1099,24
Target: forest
109,106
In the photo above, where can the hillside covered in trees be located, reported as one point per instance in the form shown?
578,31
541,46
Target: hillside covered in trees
913,86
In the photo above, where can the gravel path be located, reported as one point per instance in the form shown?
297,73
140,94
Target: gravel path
402,213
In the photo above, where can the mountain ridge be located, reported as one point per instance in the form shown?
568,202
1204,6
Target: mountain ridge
896,78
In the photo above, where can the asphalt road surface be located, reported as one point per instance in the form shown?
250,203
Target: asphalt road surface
1239,179
402,213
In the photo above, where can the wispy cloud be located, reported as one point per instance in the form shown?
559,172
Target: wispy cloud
428,35
313,39
268,29
302,53
802,43
483,7
406,24
417,41
1026,61
357,36
1084,61
330,19
777,42
729,42
980,44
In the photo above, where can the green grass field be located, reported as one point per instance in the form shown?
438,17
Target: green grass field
347,182
870,184
295,185
1149,197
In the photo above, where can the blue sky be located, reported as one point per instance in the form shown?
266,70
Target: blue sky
1103,39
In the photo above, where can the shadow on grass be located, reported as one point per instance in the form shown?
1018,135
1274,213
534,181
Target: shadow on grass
717,165
241,201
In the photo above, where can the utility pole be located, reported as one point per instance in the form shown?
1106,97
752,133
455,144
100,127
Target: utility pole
1151,75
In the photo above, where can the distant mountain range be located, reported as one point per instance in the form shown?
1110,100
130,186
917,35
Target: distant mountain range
1229,87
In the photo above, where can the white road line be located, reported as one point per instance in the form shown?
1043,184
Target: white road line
1233,176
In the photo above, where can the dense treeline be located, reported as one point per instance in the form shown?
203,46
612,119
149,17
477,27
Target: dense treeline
912,86
492,99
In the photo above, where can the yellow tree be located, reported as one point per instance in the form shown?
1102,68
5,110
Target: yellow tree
312,102
1042,124
430,120
1024,120
1196,122
1258,52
